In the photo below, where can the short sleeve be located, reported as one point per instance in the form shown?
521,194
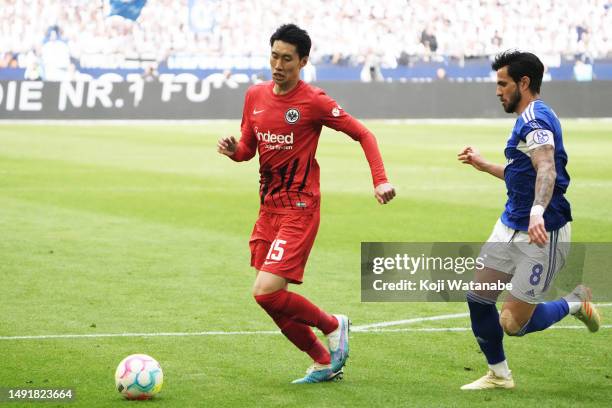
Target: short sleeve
537,132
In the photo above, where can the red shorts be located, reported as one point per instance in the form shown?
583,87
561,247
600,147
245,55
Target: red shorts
280,243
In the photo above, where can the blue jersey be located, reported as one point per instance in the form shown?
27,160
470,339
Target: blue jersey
538,125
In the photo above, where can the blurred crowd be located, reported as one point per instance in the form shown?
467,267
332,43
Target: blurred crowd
351,32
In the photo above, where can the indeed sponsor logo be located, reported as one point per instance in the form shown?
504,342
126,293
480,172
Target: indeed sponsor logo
274,138
276,142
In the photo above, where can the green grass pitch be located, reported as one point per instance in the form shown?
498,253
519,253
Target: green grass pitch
144,229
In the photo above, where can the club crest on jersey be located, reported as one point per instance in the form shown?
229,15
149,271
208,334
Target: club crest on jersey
540,137
292,115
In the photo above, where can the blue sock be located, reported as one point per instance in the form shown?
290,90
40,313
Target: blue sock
545,315
485,325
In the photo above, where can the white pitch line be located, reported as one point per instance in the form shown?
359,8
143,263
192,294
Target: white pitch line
366,328
464,329
241,333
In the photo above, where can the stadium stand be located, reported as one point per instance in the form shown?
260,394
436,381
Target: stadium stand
80,38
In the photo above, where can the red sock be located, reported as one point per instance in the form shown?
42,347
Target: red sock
318,352
302,337
297,308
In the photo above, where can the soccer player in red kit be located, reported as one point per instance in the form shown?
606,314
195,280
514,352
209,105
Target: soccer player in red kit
282,120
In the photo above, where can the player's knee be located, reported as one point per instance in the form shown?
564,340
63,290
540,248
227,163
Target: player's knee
509,323
258,291
263,287
267,283
266,296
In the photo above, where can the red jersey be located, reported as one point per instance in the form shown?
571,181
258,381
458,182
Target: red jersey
285,130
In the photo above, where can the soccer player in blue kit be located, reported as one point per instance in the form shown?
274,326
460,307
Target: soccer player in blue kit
530,242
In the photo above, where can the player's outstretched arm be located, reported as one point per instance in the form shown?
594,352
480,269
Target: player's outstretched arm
333,116
384,192
470,155
543,160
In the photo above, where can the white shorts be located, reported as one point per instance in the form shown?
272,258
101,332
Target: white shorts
533,269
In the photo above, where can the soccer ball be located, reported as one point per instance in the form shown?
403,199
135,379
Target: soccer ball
138,377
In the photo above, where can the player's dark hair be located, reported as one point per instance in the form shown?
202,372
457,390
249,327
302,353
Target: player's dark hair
521,64
292,34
